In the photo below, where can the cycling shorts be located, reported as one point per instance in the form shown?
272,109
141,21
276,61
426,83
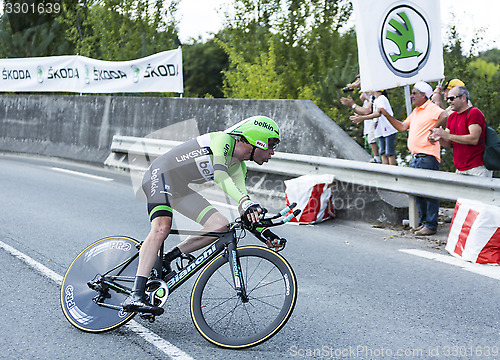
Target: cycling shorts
165,191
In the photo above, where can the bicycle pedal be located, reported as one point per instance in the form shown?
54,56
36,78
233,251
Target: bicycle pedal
149,317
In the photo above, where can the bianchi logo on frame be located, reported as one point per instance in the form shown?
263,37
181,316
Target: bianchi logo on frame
405,40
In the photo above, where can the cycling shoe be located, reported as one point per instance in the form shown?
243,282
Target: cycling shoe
136,303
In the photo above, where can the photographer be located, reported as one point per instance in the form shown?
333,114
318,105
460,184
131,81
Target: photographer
366,109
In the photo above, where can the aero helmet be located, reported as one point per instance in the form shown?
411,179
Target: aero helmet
259,131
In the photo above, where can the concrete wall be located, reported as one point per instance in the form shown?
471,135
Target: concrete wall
82,127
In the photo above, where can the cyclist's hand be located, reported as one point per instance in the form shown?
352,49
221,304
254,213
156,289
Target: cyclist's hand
250,211
273,241
275,244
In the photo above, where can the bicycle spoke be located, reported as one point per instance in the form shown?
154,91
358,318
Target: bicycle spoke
229,282
219,305
250,319
266,303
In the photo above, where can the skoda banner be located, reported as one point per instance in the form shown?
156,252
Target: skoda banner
161,72
399,42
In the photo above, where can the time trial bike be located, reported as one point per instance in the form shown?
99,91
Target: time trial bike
242,297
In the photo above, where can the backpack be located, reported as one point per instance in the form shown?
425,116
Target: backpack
491,149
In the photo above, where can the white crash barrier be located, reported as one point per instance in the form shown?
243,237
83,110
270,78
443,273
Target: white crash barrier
475,232
313,195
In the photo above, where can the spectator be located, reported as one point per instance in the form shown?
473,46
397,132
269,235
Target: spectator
440,91
426,154
384,131
367,108
465,131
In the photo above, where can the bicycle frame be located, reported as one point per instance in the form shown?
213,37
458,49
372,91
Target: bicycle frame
226,240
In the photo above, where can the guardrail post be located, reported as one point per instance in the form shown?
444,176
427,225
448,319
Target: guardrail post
413,212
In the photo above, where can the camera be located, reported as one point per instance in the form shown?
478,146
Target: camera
347,89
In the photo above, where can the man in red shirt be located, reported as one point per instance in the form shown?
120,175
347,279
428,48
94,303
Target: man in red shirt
465,132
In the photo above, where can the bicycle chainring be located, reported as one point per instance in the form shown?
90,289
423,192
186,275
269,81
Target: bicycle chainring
157,292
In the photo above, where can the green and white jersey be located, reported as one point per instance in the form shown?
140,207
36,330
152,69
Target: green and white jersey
204,158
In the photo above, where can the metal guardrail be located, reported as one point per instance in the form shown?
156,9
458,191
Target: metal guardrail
417,182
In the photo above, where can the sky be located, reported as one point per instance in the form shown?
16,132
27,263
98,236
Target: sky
200,18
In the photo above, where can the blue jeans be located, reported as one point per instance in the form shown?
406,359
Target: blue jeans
428,208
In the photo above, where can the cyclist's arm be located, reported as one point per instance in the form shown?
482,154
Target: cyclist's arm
231,179
228,185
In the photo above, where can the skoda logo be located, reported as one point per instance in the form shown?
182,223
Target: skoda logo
405,40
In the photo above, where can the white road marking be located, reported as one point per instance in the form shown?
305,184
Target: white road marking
492,271
161,344
71,172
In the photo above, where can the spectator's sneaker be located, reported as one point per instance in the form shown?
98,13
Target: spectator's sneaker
136,303
375,160
414,230
425,231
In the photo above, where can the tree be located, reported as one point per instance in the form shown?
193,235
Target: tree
121,29
204,64
46,38
492,56
257,80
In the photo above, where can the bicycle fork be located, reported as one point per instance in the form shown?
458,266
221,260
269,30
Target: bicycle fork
237,275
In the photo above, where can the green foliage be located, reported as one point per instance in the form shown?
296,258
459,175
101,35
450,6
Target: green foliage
46,39
120,29
492,56
257,80
203,67
482,68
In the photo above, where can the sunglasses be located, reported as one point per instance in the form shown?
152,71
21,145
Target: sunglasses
273,143
451,98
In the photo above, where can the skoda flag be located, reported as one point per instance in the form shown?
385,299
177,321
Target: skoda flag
160,72
399,42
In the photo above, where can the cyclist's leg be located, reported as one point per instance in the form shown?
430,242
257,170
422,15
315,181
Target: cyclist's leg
137,301
160,228
155,184
196,207
215,223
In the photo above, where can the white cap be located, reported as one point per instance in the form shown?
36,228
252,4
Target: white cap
425,88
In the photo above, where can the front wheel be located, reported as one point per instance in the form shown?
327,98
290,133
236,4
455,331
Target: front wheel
114,256
220,314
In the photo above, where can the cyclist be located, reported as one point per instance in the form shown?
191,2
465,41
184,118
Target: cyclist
217,156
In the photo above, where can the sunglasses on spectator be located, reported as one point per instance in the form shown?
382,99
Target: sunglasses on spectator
451,98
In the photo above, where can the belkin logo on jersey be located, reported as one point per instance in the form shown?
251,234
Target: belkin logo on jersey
205,167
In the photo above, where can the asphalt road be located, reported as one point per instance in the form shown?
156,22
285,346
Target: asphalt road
362,295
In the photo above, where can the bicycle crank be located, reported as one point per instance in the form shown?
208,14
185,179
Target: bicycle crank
157,292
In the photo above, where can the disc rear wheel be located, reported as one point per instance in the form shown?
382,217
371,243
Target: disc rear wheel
80,302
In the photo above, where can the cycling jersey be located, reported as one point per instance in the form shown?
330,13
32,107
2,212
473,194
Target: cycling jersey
204,158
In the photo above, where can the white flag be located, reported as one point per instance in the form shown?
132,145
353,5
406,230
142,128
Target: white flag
399,42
